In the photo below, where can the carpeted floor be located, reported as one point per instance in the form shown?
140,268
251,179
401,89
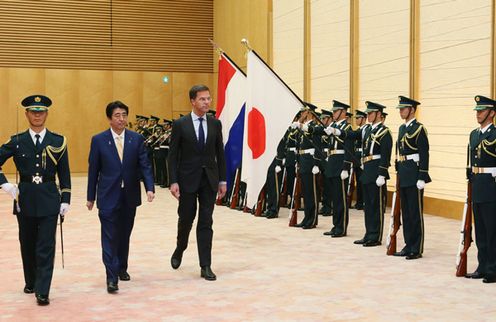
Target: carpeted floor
266,271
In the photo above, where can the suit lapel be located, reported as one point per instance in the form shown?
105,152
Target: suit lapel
46,141
210,129
127,145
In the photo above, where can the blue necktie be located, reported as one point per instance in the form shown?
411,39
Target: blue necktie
201,135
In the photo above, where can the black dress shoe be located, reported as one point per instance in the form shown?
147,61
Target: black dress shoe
401,253
124,276
371,243
489,279
327,214
309,226
176,259
475,275
206,273
112,287
328,233
42,299
272,216
360,241
28,289
413,256
299,225
335,235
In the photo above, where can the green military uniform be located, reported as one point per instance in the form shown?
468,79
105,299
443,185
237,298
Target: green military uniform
292,142
326,209
357,165
339,160
39,198
482,174
273,181
376,146
164,149
413,170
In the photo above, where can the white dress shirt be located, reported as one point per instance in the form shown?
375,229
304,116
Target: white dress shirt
33,135
196,124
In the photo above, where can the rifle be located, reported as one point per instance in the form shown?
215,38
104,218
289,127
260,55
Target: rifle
283,197
62,239
235,190
395,222
465,234
351,187
260,203
295,201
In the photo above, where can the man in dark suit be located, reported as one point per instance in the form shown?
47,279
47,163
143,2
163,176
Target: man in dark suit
117,162
482,173
38,155
197,174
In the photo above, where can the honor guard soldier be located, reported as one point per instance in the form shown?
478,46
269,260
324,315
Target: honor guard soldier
273,181
361,122
164,143
338,167
482,175
39,156
377,144
326,210
412,165
308,162
292,143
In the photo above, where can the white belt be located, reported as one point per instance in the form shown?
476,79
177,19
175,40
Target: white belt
308,151
156,148
332,152
479,170
370,158
326,150
164,146
414,157
293,149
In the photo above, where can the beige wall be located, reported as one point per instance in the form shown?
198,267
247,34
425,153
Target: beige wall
80,97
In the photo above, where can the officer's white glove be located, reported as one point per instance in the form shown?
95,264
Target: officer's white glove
315,169
304,127
278,169
329,130
380,181
10,189
64,208
337,132
295,125
284,161
420,184
344,175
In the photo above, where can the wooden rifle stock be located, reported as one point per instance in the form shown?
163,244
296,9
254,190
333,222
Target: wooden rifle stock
235,195
260,203
295,201
465,235
395,221
351,188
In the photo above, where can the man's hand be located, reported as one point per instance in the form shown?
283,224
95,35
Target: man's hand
89,204
150,195
10,189
64,208
221,192
174,189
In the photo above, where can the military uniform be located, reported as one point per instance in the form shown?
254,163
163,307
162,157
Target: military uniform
482,175
413,171
39,199
292,142
273,182
376,144
339,162
326,209
357,165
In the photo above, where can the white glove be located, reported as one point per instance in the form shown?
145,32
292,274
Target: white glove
380,181
420,184
64,208
284,161
337,132
295,125
315,169
329,130
10,189
304,127
278,169
344,175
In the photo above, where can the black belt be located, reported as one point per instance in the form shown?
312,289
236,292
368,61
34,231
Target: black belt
37,179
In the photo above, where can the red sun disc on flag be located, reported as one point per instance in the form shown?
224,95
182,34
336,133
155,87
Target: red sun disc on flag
256,132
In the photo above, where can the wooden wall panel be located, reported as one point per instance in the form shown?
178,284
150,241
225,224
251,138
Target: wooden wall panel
180,89
151,35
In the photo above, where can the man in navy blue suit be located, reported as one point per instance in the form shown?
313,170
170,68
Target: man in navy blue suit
117,163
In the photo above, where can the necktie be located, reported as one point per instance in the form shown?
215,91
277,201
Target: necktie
118,145
201,135
37,144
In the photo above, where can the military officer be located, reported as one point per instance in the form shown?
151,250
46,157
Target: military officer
164,143
273,181
308,161
376,146
361,122
339,163
39,155
326,210
412,165
482,174
292,143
